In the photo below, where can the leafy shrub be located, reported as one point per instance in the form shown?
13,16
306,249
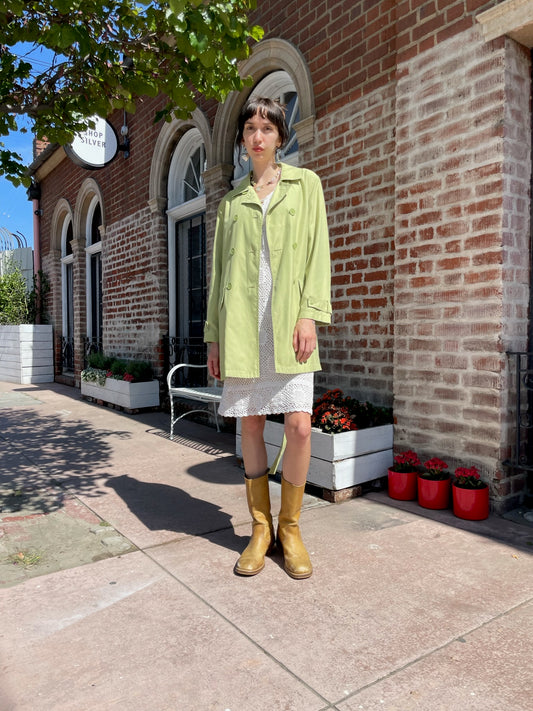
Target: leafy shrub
100,361
140,370
118,368
13,297
17,304
134,371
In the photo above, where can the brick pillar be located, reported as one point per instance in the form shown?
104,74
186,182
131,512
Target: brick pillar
80,301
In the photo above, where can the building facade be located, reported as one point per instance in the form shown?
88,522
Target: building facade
416,115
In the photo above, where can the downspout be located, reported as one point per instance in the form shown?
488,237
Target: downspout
34,194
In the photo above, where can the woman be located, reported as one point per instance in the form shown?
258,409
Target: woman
270,282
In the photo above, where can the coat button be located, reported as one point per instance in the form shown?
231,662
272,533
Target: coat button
294,245
228,286
292,211
232,251
235,218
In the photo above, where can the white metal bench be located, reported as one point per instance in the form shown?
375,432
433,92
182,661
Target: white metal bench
210,395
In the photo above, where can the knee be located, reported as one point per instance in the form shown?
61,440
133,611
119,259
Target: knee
298,431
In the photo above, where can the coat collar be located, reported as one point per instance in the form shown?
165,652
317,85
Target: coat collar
289,174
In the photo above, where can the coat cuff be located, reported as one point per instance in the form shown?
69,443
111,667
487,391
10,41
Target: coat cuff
210,333
317,310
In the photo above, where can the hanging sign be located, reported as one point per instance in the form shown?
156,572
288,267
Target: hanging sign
95,147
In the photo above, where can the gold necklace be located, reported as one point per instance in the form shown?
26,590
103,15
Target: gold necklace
272,180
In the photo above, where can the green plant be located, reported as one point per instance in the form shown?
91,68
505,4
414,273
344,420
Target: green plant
99,360
37,298
468,478
101,366
13,295
25,558
118,368
435,469
17,304
94,375
140,370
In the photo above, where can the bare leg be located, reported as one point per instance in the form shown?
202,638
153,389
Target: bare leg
298,450
253,446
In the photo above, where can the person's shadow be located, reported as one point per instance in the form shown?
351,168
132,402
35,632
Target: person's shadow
164,507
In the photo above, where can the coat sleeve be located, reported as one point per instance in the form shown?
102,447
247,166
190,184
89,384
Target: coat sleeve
211,332
315,301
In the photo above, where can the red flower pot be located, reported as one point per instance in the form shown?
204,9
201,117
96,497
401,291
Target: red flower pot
471,504
402,485
433,493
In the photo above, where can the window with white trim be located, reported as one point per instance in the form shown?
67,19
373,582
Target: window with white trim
187,248
67,296
93,251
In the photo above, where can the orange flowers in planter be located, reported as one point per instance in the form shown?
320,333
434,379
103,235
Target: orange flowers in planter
335,412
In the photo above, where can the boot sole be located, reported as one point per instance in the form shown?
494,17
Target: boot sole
298,576
249,573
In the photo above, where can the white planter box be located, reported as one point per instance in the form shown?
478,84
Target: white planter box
338,461
132,396
27,354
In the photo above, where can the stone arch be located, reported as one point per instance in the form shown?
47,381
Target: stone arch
89,189
268,56
166,142
62,211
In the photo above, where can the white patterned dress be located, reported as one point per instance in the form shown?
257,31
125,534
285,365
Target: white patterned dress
272,392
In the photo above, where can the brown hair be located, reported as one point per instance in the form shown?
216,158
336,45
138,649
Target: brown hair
268,109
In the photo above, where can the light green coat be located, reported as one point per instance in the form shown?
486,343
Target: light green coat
298,241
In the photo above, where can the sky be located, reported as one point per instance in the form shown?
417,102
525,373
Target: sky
16,213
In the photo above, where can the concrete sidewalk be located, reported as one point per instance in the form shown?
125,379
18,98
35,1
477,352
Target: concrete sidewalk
116,554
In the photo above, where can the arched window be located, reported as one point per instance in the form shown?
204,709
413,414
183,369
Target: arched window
187,248
277,85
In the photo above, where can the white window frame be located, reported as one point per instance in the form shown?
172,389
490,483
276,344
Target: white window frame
178,211
66,260
90,249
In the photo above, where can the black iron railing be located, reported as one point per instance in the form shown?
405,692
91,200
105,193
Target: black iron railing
186,350
67,355
90,345
521,364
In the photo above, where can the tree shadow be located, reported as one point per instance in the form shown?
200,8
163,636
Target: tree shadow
168,508
38,452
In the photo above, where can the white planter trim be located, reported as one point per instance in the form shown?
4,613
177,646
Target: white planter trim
27,354
337,461
132,396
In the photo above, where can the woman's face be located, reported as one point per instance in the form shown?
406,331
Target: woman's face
261,138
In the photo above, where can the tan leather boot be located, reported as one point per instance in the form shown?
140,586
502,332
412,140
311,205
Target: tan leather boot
252,560
297,562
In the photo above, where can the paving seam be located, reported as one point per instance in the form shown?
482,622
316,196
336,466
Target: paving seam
327,707
145,552
459,638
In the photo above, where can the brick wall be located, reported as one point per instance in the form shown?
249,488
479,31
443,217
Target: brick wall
135,293
458,184
355,156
